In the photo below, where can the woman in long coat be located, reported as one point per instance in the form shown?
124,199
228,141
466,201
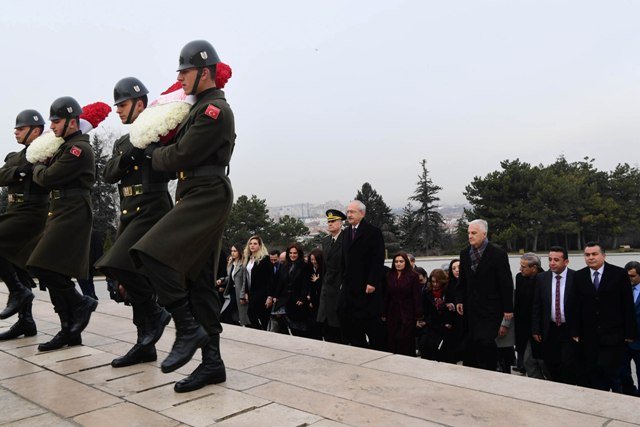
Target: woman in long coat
235,291
259,281
403,306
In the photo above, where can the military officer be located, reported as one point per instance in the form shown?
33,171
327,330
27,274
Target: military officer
63,250
181,251
144,199
332,250
21,225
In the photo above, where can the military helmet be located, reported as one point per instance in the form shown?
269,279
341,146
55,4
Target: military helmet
64,107
29,118
197,54
128,88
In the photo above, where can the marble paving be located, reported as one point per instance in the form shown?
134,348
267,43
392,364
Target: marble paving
274,380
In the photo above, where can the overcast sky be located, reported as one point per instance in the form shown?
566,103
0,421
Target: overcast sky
331,94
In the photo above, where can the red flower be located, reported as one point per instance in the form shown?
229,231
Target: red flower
95,113
223,74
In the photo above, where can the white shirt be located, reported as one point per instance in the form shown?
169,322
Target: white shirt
249,268
563,282
636,292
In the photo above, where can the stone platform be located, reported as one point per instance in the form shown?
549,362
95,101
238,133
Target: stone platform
275,380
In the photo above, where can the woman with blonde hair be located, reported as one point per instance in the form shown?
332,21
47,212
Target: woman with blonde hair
259,280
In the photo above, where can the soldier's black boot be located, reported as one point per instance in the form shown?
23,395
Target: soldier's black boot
210,371
82,313
156,318
19,295
190,336
24,326
63,338
139,353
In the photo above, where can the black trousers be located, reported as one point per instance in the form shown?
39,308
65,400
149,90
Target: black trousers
62,290
172,288
559,354
8,273
136,284
482,354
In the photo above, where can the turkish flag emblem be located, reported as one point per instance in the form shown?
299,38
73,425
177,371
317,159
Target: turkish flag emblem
212,111
76,151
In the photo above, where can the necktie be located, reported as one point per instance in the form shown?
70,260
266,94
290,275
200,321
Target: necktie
333,240
596,280
558,312
353,234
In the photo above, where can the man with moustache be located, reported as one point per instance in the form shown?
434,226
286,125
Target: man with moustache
63,250
485,295
144,199
606,318
21,225
180,252
554,310
332,280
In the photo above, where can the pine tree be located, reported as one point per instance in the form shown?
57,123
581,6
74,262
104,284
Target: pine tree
103,195
248,217
3,199
431,228
379,214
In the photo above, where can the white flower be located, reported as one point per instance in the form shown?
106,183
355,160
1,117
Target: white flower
43,147
157,121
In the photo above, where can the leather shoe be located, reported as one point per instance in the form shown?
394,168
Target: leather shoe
190,336
82,314
61,339
137,354
210,371
17,299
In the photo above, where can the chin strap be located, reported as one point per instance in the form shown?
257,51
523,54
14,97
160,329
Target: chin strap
26,137
66,125
196,83
130,115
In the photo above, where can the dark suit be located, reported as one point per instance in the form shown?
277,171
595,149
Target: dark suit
487,293
363,261
605,318
558,349
332,280
632,352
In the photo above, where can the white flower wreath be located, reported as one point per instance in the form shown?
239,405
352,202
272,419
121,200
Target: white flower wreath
43,147
157,121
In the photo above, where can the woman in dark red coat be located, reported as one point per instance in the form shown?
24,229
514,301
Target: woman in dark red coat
403,306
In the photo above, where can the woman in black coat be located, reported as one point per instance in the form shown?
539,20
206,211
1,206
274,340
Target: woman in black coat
259,281
316,275
438,324
290,302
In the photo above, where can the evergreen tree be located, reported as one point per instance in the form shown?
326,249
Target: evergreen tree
248,217
104,196
288,230
431,230
379,214
409,229
3,199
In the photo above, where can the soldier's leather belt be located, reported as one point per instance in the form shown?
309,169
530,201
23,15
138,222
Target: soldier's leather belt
207,170
136,189
21,197
69,192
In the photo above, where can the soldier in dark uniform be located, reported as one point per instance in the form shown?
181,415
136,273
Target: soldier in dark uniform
181,251
144,199
332,250
63,250
21,225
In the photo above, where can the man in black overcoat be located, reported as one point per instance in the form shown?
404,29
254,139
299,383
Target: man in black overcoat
606,318
360,301
553,312
332,277
181,251
485,295
21,225
144,199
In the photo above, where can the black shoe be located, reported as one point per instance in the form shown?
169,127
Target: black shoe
210,371
137,354
156,320
17,299
21,327
190,336
82,314
61,339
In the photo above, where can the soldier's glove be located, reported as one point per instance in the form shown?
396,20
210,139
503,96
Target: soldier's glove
133,155
148,152
24,170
